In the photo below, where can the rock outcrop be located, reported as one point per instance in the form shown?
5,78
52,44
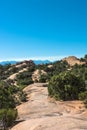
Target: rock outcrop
72,60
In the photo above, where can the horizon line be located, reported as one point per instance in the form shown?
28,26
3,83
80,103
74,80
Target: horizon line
42,58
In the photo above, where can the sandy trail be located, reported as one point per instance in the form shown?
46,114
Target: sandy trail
42,113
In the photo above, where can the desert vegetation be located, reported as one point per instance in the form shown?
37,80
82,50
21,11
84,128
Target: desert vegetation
70,83
8,113
66,86
65,82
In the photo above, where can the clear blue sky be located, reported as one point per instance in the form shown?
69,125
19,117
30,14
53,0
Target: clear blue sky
42,28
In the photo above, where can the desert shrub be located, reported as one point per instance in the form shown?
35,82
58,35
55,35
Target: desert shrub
25,82
31,69
22,96
83,95
7,104
6,97
24,79
66,86
8,116
13,70
43,78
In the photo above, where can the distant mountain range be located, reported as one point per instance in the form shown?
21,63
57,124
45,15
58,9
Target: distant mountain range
35,61
41,62
8,62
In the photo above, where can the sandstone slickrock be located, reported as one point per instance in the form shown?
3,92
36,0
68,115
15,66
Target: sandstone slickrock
72,60
42,113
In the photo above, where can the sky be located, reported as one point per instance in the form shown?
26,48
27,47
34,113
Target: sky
42,29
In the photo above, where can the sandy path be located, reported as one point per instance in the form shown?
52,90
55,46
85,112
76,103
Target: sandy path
42,113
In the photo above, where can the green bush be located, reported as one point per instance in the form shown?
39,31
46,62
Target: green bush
83,95
66,86
25,82
43,78
24,79
8,116
6,97
22,96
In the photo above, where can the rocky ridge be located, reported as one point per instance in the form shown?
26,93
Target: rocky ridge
72,60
